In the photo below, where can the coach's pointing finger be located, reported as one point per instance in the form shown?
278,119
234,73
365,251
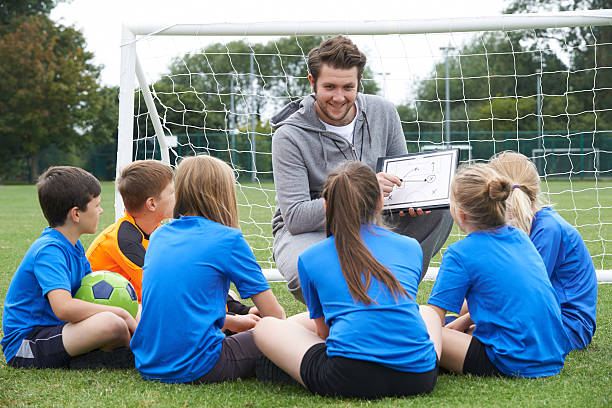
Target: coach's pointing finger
387,182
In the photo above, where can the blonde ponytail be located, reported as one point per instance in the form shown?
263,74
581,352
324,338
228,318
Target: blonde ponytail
524,201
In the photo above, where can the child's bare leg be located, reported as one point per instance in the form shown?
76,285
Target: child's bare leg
105,331
432,322
455,345
304,320
285,343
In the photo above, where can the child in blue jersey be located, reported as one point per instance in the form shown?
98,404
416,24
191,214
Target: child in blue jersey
368,337
497,270
187,271
44,326
567,259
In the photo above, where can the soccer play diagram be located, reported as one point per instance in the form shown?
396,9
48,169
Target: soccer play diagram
425,179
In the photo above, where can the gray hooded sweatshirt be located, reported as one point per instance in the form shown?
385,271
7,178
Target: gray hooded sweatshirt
304,153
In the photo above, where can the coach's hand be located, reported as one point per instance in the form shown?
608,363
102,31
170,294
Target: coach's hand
413,212
387,181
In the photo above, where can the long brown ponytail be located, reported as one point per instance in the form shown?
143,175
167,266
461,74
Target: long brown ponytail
352,195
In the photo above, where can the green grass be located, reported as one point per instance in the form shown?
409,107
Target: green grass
584,382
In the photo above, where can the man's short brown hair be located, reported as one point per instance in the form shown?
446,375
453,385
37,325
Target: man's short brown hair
61,188
339,53
143,179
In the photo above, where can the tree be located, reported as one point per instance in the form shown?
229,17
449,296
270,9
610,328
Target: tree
11,9
49,90
588,49
493,74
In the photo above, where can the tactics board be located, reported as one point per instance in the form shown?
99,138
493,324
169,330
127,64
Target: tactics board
425,177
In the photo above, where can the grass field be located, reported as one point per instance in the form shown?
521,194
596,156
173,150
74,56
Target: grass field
584,382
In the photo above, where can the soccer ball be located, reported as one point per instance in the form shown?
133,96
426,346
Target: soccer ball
108,288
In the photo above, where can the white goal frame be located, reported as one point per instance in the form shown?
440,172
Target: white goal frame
131,69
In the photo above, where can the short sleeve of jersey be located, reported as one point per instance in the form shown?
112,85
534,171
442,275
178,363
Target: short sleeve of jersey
451,284
129,240
546,237
51,269
309,291
243,269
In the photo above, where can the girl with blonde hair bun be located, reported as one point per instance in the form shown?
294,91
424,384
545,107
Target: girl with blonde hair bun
514,326
186,277
568,262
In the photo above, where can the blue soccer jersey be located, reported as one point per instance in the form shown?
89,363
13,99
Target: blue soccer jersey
186,276
52,262
386,332
510,298
571,272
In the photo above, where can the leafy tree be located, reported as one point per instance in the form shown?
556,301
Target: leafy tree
492,77
49,90
11,9
589,51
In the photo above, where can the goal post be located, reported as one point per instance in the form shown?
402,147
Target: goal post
492,83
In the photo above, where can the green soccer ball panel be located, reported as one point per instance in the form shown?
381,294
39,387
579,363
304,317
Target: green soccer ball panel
108,288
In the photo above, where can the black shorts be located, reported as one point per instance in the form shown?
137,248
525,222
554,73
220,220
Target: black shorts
346,377
237,360
477,361
42,348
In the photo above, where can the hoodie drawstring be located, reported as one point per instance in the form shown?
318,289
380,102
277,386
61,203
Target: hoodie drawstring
323,148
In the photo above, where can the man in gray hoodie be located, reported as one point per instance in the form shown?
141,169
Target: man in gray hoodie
314,135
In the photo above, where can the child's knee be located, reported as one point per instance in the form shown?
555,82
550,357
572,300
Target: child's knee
112,327
264,326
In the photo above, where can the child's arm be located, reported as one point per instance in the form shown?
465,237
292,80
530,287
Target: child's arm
441,312
72,310
322,329
462,323
267,304
240,323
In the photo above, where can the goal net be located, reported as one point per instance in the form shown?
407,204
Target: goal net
537,84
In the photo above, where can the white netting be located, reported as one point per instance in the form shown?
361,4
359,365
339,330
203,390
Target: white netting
544,92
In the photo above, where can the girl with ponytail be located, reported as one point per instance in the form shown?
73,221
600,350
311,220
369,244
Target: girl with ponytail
368,338
514,326
567,258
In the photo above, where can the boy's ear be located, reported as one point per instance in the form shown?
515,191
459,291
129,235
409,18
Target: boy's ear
150,204
74,215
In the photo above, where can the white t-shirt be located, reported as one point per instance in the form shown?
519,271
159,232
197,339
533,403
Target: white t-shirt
345,131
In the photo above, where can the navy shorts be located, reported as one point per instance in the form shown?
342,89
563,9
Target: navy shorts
477,361
42,348
346,377
237,360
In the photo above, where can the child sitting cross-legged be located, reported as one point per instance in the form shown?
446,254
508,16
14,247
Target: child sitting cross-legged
186,276
368,338
518,329
44,326
567,258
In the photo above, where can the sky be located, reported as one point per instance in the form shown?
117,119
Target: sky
101,22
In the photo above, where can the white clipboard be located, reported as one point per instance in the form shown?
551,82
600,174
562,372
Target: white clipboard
426,179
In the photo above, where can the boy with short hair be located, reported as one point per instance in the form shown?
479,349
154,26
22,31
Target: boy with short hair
147,190
44,326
